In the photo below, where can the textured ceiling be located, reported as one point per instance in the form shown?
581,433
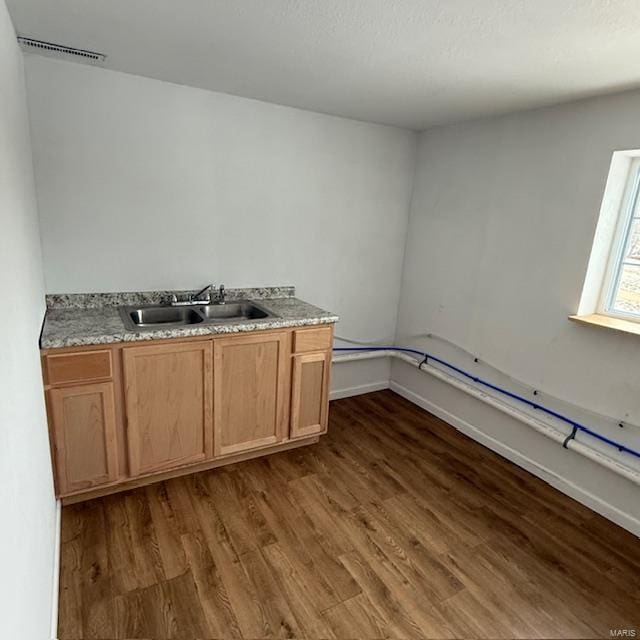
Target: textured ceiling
413,63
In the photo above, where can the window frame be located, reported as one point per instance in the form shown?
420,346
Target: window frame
615,264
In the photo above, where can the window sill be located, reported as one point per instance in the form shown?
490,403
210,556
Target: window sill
608,322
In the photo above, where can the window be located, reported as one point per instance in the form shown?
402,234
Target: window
621,290
611,292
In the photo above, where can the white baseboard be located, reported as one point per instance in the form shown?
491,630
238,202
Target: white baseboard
55,587
358,390
560,483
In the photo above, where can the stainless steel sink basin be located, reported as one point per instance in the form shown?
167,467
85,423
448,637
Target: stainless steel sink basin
241,310
162,316
153,317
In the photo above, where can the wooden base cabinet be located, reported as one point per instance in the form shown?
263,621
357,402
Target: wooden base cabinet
169,403
127,414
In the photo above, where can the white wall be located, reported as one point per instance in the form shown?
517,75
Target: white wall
27,505
144,184
503,217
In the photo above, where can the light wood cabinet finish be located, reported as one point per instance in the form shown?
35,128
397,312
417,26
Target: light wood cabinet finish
84,366
124,415
316,339
250,388
84,436
168,400
309,394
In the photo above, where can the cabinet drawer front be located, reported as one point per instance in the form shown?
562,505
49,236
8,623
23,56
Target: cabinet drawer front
305,340
84,366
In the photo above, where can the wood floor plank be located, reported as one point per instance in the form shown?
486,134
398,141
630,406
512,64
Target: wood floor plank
397,621
134,559
279,619
394,525
167,530
542,609
307,494
97,609
212,592
441,582
169,610
294,585
294,533
355,618
247,528
388,562
71,579
248,608
580,569
477,616
179,493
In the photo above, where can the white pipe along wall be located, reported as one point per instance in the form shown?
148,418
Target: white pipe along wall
541,426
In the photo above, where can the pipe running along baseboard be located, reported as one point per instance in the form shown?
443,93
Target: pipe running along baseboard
540,394
542,427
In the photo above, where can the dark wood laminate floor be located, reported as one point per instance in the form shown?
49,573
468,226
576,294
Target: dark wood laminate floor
394,525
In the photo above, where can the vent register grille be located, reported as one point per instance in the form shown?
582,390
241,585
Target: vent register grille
58,50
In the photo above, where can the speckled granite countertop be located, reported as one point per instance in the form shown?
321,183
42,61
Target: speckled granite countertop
78,319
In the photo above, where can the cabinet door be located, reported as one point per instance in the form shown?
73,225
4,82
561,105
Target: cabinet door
168,398
310,394
251,381
84,436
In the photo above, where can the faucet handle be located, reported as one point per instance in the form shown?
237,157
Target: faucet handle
207,290
221,294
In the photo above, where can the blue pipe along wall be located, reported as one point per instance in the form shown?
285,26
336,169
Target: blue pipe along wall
575,425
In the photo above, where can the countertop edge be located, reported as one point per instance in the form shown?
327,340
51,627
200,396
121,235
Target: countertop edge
188,332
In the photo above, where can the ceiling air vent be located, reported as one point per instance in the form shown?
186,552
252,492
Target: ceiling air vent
58,50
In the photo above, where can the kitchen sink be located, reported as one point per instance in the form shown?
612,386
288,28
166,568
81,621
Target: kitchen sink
242,310
148,318
162,316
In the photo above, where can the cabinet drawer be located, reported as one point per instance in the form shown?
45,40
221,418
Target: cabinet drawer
78,367
305,340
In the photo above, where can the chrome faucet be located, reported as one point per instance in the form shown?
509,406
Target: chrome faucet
193,298
196,298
